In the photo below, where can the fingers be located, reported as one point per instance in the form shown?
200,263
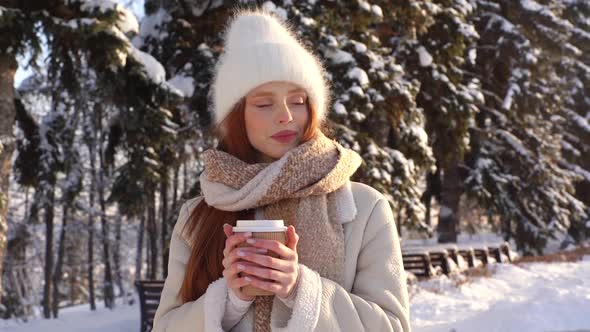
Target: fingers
265,273
233,240
267,261
232,271
233,255
292,238
228,230
270,286
237,283
275,246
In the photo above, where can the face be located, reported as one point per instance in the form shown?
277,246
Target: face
276,115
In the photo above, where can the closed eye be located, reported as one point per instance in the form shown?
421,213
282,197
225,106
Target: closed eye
263,106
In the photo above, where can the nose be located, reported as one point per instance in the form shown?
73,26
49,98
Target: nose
283,113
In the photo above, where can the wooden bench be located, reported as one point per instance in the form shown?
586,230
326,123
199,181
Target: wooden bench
149,299
418,263
440,258
469,255
501,252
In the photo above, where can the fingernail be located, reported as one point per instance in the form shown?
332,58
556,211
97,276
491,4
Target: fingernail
248,278
248,234
251,241
261,250
241,267
241,253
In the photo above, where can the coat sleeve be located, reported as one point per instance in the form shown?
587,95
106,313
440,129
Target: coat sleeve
378,300
202,315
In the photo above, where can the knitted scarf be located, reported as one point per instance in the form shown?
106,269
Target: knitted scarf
308,187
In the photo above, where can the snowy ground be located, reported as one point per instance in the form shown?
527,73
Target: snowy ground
526,297
124,318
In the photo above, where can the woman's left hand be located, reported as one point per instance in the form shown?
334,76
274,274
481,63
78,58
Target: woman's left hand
282,271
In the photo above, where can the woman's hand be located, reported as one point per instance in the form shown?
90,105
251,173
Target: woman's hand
230,258
282,271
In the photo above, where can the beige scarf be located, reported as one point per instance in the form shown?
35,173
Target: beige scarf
308,187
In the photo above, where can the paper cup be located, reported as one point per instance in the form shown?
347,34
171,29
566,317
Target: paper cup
261,229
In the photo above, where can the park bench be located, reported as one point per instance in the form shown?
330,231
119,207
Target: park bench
418,263
428,261
440,258
149,299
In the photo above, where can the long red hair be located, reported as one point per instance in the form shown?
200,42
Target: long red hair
204,228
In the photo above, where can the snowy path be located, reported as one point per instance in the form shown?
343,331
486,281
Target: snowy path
528,297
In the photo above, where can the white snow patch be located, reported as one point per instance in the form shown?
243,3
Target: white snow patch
151,67
357,90
364,5
185,84
340,109
357,116
270,7
338,56
516,298
359,75
424,57
376,10
359,47
127,22
308,21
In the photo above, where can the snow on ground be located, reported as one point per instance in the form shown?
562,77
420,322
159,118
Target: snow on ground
124,318
525,297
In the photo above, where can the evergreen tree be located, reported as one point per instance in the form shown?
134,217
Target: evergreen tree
516,151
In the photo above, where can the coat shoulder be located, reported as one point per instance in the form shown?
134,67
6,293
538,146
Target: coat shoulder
185,211
365,194
365,200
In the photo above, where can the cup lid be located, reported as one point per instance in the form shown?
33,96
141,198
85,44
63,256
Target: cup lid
261,225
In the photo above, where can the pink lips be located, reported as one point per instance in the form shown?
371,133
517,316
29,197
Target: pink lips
285,136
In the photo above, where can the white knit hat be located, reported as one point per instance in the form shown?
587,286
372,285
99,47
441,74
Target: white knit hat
258,49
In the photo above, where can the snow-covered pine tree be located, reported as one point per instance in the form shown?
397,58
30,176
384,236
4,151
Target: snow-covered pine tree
80,35
374,109
439,58
516,145
575,74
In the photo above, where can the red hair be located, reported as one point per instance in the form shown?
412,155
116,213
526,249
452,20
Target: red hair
204,228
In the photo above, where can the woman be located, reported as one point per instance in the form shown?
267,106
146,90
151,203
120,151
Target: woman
340,269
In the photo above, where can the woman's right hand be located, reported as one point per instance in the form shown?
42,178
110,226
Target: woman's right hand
231,259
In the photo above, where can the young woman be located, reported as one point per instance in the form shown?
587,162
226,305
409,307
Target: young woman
341,268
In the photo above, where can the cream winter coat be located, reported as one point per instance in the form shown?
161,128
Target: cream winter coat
374,296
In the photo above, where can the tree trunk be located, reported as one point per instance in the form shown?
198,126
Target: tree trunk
91,226
75,263
184,177
448,219
175,189
48,216
139,252
57,275
152,234
16,253
117,255
164,211
8,67
108,294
